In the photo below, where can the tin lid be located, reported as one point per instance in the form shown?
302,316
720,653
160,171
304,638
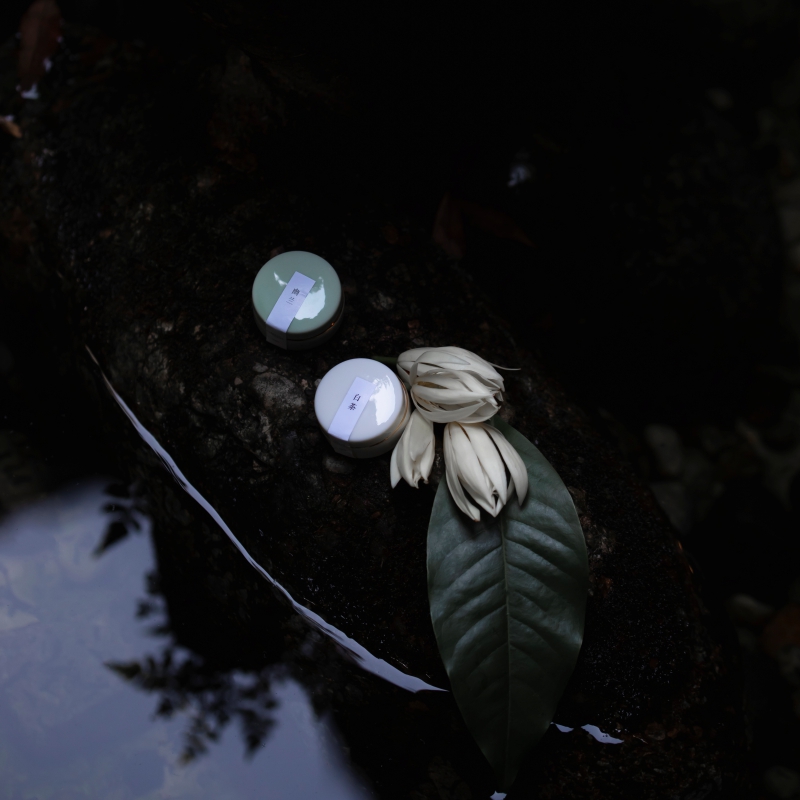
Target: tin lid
296,295
361,402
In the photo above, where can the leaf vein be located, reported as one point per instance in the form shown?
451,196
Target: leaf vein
474,623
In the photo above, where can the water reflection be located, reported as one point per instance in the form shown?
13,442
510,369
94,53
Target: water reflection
80,613
209,698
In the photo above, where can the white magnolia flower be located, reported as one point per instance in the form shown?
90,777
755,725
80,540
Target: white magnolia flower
412,457
450,384
476,457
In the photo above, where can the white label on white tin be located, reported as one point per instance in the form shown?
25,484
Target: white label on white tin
285,310
351,409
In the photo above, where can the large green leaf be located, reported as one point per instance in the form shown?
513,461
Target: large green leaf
507,598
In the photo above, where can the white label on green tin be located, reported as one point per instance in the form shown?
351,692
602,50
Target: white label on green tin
285,310
350,410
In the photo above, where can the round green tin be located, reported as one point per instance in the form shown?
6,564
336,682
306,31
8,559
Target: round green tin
297,300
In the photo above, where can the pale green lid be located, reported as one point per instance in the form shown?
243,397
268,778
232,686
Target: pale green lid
322,308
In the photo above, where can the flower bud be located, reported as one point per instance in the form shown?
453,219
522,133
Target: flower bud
476,458
450,384
412,457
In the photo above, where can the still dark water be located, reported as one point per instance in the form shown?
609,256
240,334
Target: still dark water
72,726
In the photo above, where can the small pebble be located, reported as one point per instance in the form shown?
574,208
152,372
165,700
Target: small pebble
339,466
380,302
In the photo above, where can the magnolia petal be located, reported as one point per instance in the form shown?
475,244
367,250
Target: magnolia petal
437,358
405,464
427,458
452,382
453,483
477,380
420,435
495,386
394,469
455,397
457,357
469,470
432,355
436,408
446,395
490,459
412,375
410,458
476,412
513,460
466,355
457,493
449,357
481,415
476,459
464,376
449,378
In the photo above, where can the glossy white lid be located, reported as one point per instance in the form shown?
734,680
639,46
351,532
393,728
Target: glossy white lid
382,414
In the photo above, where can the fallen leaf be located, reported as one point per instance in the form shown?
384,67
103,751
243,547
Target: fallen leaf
39,31
448,228
495,222
9,126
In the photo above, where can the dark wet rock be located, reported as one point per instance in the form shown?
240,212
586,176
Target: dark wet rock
154,265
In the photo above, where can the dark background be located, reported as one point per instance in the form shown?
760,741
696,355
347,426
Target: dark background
662,141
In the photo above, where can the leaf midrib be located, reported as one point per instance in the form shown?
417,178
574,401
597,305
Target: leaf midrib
503,524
